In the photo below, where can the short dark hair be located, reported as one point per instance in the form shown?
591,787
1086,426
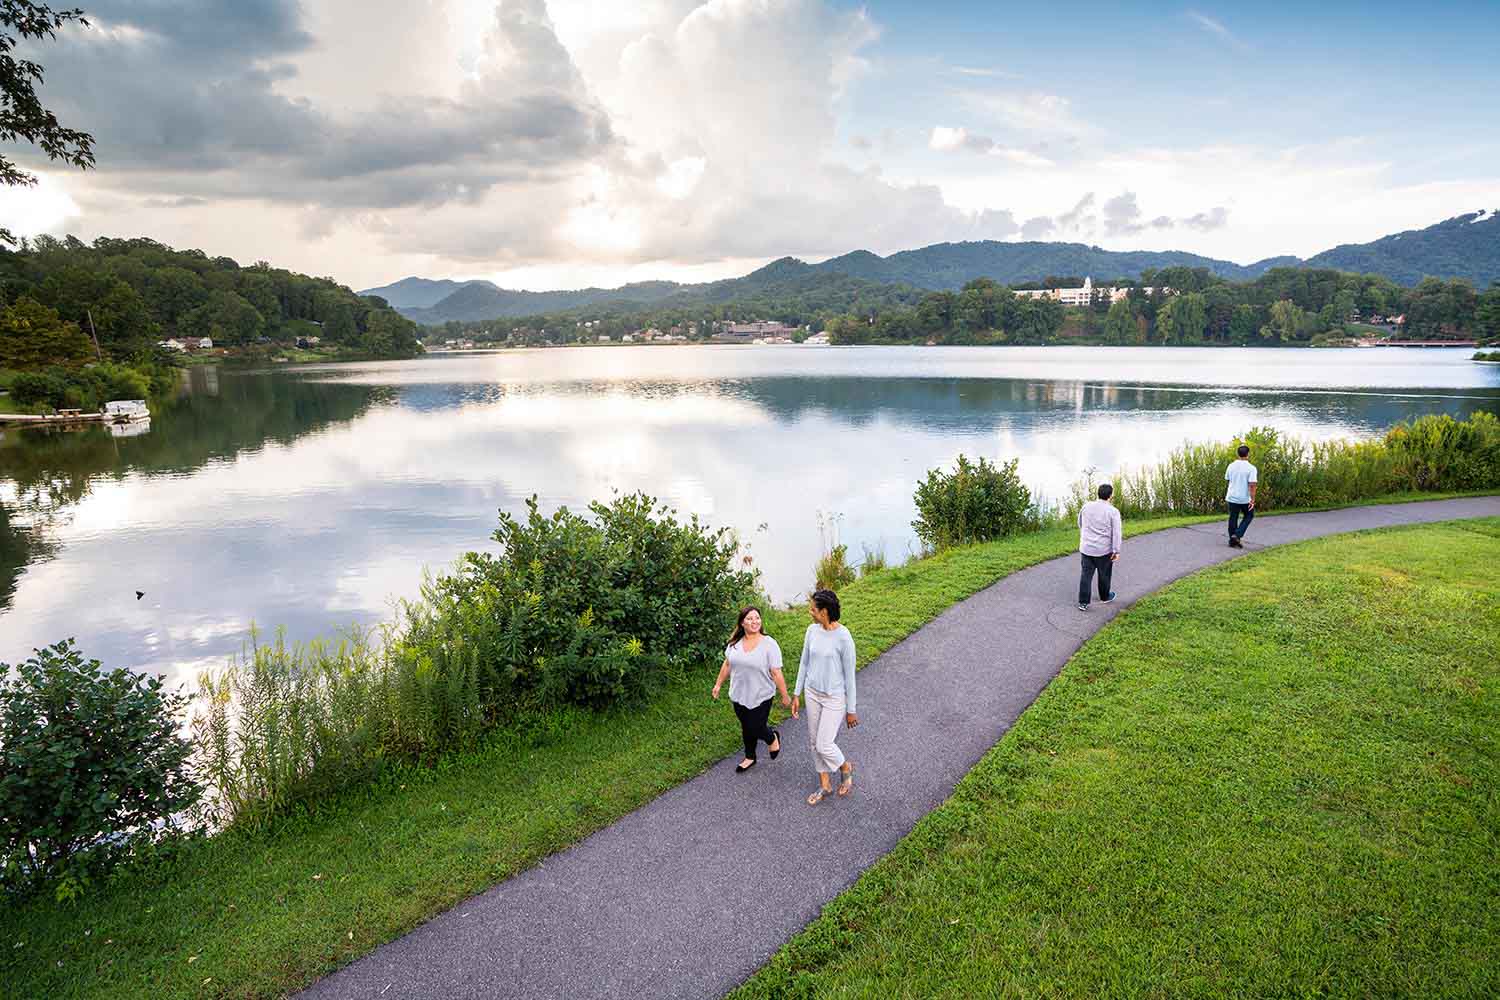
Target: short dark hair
1106,491
1244,450
827,600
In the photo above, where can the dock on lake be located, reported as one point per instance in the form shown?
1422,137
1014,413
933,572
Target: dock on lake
119,411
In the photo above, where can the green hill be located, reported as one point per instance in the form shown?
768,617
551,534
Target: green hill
1466,246
136,292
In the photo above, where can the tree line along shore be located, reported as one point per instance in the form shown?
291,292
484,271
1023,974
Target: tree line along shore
1167,307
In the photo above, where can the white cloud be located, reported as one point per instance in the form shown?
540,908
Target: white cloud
949,139
1033,112
1216,28
985,71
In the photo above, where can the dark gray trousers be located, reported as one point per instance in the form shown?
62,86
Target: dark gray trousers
1091,564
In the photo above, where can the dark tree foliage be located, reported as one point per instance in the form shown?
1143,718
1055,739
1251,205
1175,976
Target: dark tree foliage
135,292
22,116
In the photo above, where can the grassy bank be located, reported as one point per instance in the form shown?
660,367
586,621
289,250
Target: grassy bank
258,914
1274,778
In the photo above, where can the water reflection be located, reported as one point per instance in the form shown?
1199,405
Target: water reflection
310,498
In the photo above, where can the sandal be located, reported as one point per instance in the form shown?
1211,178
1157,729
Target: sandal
818,796
775,738
846,783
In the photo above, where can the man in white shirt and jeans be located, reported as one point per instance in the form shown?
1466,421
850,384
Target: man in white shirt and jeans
1241,477
1099,536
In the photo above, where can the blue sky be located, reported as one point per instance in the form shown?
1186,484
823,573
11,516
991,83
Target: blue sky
556,143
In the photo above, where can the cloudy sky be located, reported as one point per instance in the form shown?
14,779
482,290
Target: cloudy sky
559,143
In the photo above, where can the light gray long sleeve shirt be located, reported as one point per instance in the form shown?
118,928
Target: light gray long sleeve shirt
828,663
1099,529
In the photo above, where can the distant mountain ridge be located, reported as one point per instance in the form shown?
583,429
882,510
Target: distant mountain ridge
1466,246
419,293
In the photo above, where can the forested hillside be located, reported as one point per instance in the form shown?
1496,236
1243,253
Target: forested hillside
1176,305
55,293
1467,246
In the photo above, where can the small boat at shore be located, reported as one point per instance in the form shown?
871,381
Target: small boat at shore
124,411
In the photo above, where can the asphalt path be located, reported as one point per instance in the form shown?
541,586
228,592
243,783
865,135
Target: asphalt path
690,894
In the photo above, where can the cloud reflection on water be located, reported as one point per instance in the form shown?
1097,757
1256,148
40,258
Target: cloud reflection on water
320,527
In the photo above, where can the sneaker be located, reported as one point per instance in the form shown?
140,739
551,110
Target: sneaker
1083,607
1108,599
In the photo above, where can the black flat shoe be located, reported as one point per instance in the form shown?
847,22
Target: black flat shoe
741,768
777,752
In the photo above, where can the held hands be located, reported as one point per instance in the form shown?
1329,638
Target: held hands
786,702
796,705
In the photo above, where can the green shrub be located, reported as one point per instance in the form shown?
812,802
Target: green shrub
92,766
1436,452
89,387
976,502
833,571
44,388
571,611
564,587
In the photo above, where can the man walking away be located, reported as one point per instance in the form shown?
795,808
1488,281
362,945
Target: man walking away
1099,536
1241,477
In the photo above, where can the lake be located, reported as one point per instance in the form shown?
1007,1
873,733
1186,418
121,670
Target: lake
312,497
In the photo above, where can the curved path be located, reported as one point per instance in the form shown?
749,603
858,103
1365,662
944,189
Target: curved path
690,894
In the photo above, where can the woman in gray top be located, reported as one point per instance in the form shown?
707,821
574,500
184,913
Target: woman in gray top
827,674
752,662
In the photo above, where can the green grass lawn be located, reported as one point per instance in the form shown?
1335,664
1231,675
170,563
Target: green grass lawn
256,915
1274,778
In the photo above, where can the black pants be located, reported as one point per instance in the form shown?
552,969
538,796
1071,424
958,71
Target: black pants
753,725
1236,511
1105,568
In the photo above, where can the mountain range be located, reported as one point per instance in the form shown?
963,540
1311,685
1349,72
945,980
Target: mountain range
1466,246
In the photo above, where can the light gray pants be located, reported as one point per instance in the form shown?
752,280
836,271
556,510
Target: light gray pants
825,713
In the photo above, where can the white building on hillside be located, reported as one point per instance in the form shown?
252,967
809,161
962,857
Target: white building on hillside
1078,297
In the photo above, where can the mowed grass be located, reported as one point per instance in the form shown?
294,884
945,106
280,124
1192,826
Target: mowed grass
260,914
1275,778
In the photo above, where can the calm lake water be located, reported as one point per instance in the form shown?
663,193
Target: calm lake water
312,497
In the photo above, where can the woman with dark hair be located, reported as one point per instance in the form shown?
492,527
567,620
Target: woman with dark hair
752,662
827,674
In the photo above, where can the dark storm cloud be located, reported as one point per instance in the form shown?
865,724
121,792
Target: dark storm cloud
183,96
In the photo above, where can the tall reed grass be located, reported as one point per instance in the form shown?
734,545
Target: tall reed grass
1434,453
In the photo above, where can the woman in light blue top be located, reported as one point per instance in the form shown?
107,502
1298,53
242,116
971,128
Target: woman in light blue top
752,662
826,673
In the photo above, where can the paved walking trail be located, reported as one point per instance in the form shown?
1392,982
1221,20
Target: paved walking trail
691,893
